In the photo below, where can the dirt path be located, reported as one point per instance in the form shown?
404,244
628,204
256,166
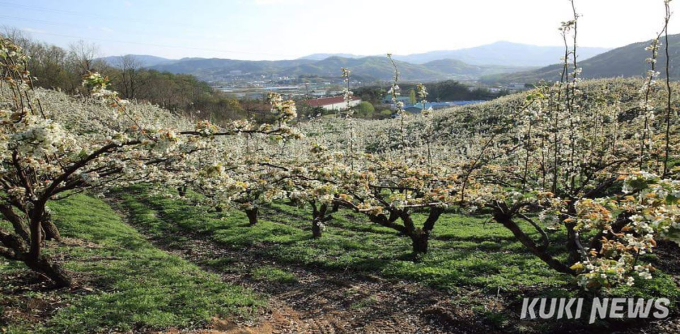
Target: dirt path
323,301
336,302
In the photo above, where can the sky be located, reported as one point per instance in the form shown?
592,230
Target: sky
289,29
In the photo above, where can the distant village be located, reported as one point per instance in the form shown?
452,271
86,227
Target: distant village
327,94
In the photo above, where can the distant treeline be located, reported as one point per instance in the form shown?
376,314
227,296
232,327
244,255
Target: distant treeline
455,91
62,69
448,90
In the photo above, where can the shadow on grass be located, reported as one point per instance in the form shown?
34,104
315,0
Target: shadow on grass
126,283
464,251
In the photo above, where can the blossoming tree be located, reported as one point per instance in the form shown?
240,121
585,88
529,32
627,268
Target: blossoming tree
47,155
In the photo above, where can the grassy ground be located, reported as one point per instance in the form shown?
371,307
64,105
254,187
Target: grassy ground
465,253
128,284
125,282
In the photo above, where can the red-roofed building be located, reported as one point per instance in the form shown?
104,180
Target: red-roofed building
333,103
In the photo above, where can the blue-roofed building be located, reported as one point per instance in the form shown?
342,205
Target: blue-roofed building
418,107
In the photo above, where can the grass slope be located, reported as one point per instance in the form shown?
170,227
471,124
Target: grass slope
130,285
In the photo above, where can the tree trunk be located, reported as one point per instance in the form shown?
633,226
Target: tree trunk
336,206
44,265
252,216
32,255
572,247
20,227
316,229
35,246
51,231
418,236
420,240
529,244
319,217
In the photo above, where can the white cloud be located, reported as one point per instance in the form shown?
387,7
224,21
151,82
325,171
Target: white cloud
32,30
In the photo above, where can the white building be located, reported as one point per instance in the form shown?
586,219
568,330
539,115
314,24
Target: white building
333,103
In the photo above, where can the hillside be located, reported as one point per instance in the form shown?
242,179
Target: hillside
453,66
501,53
627,61
366,68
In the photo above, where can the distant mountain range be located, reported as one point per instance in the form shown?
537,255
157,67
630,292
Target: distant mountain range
464,64
144,60
366,68
499,53
380,68
503,54
322,56
626,61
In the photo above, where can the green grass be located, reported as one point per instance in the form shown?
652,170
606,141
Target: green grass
273,275
136,286
465,252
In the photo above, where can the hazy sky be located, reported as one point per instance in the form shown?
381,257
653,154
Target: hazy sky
286,29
